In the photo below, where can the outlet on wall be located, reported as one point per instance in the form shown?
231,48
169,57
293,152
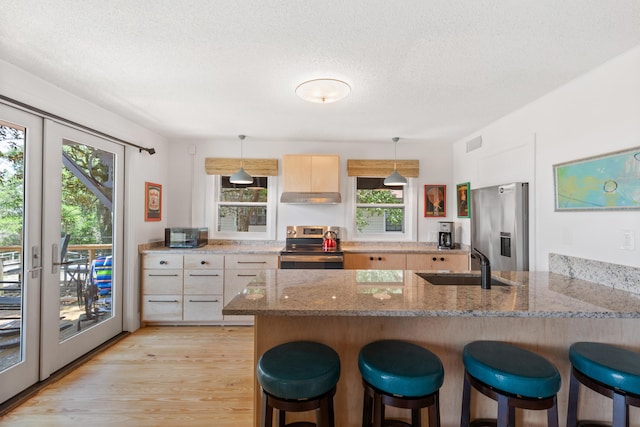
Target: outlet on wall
628,240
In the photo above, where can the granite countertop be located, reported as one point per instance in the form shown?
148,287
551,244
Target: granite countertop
274,247
402,293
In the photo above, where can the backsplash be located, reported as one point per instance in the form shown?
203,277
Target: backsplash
614,275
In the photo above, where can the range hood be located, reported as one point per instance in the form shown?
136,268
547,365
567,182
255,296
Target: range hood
311,198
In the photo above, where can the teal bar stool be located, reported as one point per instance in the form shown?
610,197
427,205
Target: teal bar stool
298,376
606,369
402,375
514,377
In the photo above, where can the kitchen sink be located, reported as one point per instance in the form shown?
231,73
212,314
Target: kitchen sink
457,279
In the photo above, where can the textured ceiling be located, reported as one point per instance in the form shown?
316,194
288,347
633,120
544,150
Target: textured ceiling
423,70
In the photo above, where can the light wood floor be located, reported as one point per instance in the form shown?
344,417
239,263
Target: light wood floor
157,376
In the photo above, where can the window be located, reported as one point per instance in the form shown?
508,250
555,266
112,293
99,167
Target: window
381,211
244,211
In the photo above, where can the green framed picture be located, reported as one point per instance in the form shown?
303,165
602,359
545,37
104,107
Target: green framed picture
463,201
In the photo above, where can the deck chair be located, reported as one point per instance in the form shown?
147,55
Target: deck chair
97,293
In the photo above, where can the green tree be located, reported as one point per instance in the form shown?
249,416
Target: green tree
394,216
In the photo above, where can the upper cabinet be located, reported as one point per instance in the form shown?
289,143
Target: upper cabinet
311,173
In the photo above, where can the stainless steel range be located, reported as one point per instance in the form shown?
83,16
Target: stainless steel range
312,246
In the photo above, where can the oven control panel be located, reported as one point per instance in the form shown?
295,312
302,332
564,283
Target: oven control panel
311,231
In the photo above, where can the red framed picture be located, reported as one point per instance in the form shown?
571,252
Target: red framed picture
152,201
435,201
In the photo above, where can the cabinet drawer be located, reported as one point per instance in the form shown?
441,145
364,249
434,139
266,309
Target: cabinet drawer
438,261
194,261
162,261
203,281
162,308
251,261
159,281
202,307
375,261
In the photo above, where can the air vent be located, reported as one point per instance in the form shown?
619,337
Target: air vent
474,144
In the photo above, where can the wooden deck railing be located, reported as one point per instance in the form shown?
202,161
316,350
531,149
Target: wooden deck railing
89,249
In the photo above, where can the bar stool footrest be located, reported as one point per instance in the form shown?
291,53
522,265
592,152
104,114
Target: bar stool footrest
484,422
395,423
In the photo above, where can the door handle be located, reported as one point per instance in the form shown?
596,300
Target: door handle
35,262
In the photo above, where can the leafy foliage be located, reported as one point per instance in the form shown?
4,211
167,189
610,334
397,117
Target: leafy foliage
383,198
83,216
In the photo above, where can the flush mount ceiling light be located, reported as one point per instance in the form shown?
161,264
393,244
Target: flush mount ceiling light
323,91
395,178
241,177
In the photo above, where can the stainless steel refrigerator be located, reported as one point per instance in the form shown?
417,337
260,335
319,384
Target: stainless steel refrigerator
500,226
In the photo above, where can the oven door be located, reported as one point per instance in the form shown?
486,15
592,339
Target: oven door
318,262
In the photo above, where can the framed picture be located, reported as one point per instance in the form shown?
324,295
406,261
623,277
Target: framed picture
605,182
435,201
462,198
152,202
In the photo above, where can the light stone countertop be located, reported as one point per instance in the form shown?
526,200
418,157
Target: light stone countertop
274,247
401,293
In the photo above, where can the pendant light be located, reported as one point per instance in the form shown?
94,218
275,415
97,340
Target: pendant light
395,178
241,177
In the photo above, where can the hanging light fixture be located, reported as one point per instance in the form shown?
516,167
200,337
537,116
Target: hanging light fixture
241,177
323,91
395,178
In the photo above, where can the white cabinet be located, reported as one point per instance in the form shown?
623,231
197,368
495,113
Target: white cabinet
193,288
203,287
244,271
162,288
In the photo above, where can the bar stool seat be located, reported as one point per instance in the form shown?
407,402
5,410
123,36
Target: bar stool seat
399,374
296,377
515,377
609,370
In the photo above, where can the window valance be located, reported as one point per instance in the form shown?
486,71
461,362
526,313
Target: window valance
382,168
254,167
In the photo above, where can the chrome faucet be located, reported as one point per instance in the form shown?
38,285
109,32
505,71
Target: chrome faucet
485,269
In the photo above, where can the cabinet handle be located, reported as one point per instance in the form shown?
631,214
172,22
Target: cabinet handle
162,300
434,259
204,300
163,262
203,262
252,262
379,258
370,258
247,275
204,275
163,275
442,259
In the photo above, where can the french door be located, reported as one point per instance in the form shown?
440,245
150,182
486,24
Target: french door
61,240
20,258
82,244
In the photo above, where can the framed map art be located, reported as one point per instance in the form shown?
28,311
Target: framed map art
606,182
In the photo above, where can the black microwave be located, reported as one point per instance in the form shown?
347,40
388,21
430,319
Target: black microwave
182,237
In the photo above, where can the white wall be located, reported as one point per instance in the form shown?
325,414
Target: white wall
187,171
22,86
594,114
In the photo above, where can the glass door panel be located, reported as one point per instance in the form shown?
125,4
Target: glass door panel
82,238
20,258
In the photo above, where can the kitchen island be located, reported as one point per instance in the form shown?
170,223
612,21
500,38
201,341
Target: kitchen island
346,309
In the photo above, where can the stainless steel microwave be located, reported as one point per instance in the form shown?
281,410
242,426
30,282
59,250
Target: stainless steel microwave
180,237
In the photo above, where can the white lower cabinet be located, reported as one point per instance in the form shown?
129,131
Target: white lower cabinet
203,287
250,273
194,288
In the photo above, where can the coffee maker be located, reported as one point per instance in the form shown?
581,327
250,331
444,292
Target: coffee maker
446,239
